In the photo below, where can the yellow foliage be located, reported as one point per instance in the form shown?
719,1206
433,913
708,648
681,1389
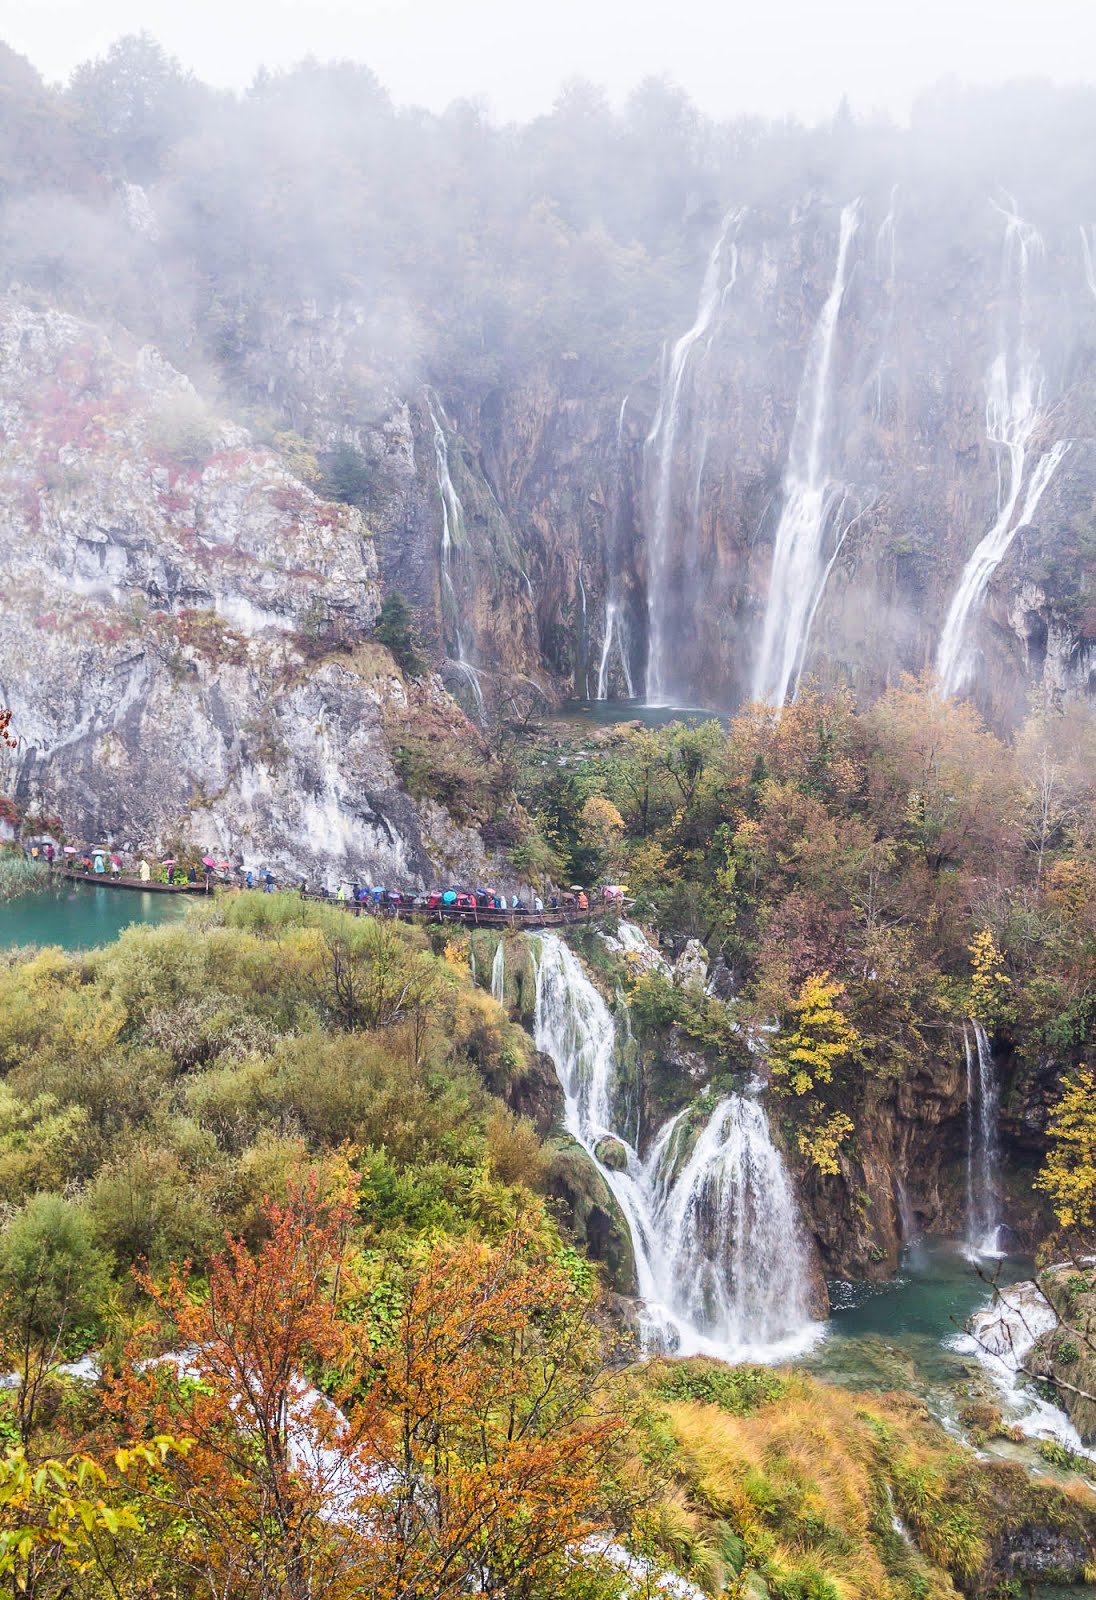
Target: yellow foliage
1069,1172
988,982
816,1037
821,1142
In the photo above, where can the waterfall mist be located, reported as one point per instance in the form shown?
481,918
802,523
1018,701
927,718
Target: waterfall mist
721,1258
814,504
983,1145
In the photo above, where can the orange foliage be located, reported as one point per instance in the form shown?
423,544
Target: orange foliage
455,1445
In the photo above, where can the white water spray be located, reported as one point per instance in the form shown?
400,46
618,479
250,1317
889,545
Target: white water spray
452,534
719,276
615,637
498,973
721,1260
813,504
983,1102
1014,394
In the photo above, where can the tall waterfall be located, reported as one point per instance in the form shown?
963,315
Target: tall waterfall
721,1260
498,973
1014,394
983,1101
661,442
814,504
452,533
615,637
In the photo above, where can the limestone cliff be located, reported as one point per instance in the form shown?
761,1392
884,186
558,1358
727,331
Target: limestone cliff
180,643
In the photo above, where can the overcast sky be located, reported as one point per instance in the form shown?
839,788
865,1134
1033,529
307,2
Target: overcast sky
769,56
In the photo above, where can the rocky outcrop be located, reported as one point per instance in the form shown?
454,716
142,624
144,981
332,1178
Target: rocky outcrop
1066,1355
182,641
592,1217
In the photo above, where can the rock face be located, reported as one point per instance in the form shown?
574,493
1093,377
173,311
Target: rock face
593,516
166,644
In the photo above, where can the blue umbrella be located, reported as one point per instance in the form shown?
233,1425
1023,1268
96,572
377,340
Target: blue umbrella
449,897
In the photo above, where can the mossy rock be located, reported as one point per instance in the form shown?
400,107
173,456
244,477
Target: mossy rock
612,1154
590,1213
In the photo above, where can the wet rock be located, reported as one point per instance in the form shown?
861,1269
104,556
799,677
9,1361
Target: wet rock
590,1213
691,967
612,1154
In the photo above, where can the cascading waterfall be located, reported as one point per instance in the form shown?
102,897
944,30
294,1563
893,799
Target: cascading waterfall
1014,393
721,1260
452,533
815,505
660,446
498,974
983,1100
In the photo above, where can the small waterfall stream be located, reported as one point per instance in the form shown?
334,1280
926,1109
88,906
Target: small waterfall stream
452,534
1014,412
721,1259
498,973
814,504
983,1154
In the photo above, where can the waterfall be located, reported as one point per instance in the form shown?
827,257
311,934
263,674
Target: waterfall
721,1259
584,641
452,533
616,626
615,634
1088,254
661,442
983,1099
498,973
813,505
1014,393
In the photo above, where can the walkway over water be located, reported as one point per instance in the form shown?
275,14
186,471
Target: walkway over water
463,916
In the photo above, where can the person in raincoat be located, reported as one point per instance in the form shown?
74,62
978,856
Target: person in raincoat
144,871
100,864
583,903
340,894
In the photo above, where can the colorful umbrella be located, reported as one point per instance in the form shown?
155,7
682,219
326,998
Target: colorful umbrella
208,861
449,897
70,849
168,861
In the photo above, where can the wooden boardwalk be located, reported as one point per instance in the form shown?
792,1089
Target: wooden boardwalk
461,916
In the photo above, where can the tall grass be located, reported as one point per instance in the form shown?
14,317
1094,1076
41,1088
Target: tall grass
18,875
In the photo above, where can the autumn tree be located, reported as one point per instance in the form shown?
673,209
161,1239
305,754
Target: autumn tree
1068,1175
453,1442
52,1286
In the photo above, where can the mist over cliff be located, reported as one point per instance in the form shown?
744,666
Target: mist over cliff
627,404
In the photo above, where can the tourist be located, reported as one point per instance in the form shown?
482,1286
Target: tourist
268,881
49,855
144,871
115,867
100,864
249,879
538,904
340,894
583,903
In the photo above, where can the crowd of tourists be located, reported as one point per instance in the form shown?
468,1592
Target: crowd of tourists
104,861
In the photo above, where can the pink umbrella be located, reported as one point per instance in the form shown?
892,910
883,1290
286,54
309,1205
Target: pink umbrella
208,861
70,849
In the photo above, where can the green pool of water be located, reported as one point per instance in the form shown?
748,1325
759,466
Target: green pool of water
894,1334
79,915
604,713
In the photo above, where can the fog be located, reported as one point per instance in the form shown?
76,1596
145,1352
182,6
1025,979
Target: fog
786,57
